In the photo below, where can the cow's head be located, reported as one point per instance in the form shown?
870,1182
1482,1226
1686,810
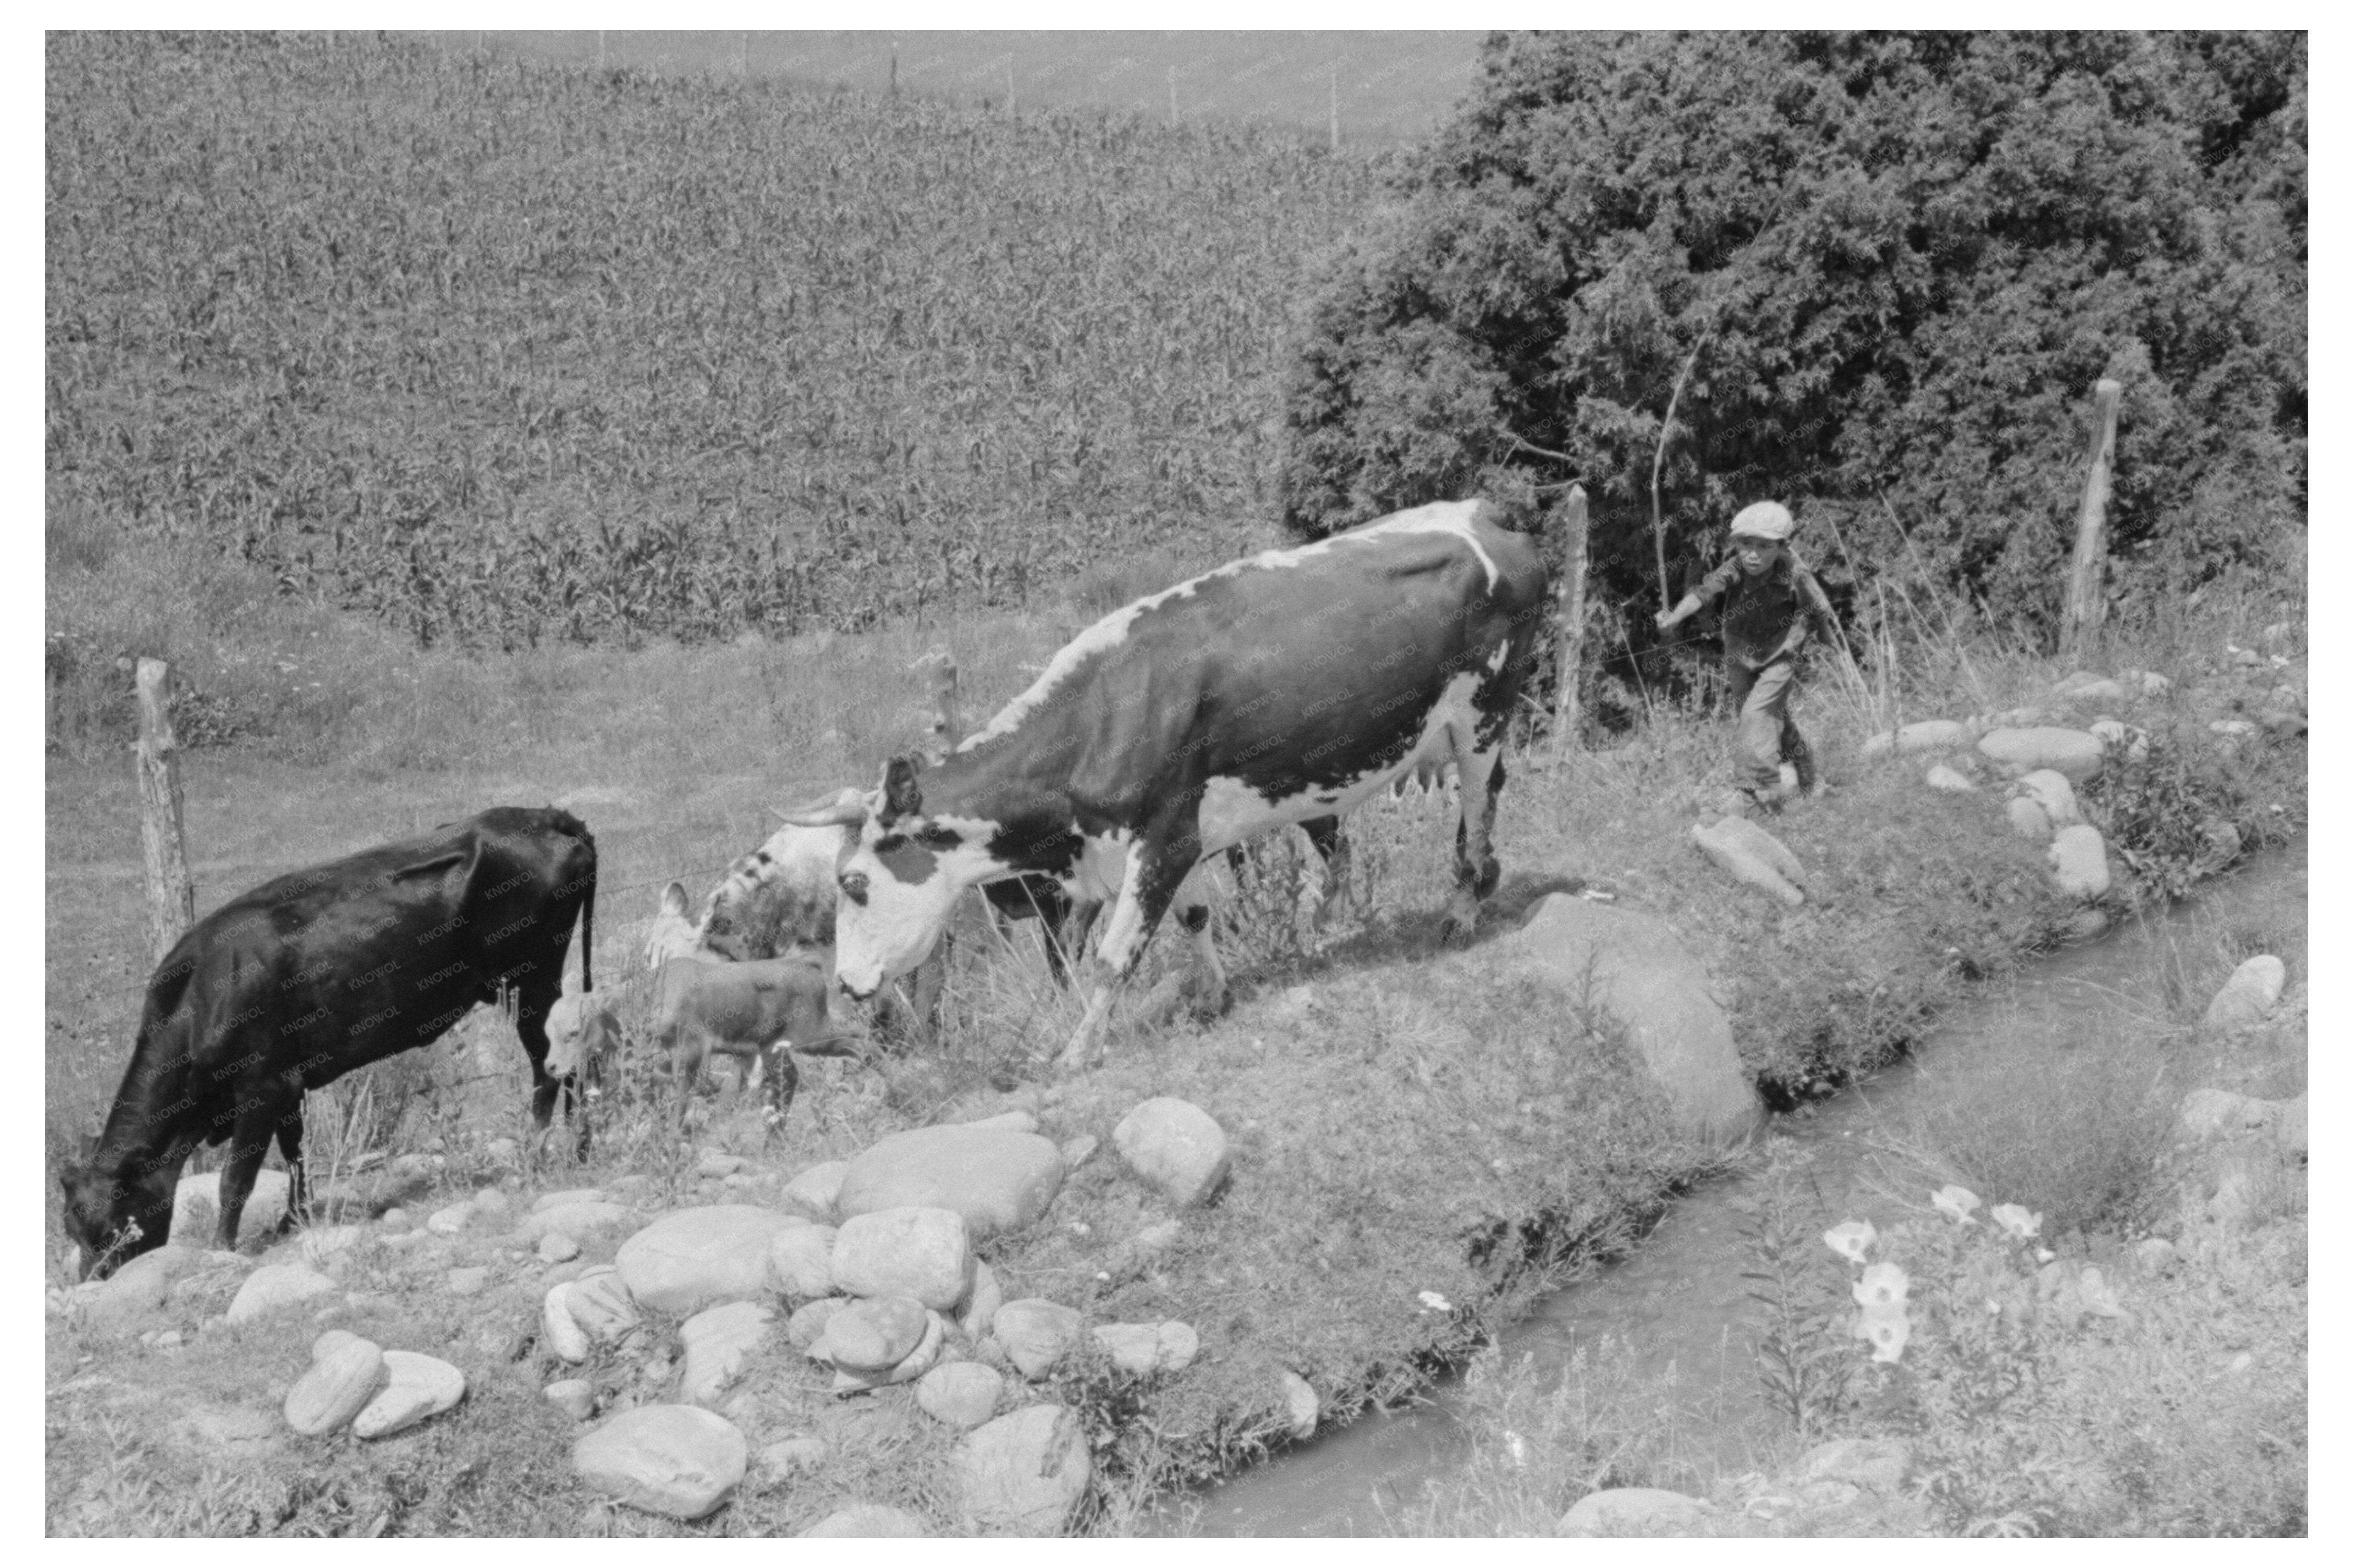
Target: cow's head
112,1219
781,896
673,934
899,880
582,1039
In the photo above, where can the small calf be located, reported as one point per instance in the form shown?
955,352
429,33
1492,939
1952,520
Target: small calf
747,1009
582,1039
671,934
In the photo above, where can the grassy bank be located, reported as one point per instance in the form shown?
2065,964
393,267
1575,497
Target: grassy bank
1406,1120
2177,1406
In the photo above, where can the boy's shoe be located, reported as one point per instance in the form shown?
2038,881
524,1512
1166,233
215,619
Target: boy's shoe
1801,758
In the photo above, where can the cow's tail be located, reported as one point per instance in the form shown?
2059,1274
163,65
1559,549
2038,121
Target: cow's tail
588,933
574,828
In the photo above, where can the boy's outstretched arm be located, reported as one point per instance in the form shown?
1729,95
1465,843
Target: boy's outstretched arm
1709,587
1683,611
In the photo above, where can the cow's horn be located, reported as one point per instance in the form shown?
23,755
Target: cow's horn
835,810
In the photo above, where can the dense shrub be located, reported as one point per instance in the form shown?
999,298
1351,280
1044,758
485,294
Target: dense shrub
1893,266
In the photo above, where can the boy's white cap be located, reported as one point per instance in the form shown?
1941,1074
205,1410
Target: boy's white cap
1764,520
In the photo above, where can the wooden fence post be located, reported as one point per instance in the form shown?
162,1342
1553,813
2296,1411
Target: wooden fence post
1567,713
2087,604
171,900
947,720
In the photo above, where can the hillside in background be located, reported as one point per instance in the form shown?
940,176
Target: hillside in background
1387,87
502,351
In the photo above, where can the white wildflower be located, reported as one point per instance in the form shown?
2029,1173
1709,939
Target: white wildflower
1888,1328
2014,1218
1957,1201
1883,1284
1852,1239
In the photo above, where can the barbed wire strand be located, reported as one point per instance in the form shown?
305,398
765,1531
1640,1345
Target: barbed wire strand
113,992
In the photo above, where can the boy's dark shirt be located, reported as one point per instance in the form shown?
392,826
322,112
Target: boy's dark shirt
1758,611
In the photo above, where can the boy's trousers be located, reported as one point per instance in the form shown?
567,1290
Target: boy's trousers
1766,735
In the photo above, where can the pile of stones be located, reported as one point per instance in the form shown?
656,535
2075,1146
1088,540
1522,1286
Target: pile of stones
868,1270
871,1269
2040,755
377,1392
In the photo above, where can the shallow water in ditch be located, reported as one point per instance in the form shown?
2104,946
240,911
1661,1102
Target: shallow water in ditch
1679,1302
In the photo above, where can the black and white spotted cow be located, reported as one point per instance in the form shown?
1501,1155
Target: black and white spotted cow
1286,687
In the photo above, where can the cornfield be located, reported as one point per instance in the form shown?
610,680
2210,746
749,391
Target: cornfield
503,351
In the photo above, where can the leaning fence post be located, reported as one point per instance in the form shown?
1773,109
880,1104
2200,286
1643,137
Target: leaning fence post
171,900
947,721
1566,712
2087,605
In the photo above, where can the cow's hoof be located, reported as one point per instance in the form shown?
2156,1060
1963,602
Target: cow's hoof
1207,1007
1458,925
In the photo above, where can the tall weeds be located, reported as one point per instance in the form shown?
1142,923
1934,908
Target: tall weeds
1803,1357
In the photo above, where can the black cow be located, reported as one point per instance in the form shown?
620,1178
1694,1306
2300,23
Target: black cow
304,979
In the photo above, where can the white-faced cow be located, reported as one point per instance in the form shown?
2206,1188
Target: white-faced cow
771,901
780,899
306,978
1282,688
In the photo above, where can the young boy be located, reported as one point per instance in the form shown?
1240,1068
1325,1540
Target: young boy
1769,599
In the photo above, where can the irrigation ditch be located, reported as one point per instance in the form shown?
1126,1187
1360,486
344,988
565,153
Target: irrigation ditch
1678,1305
